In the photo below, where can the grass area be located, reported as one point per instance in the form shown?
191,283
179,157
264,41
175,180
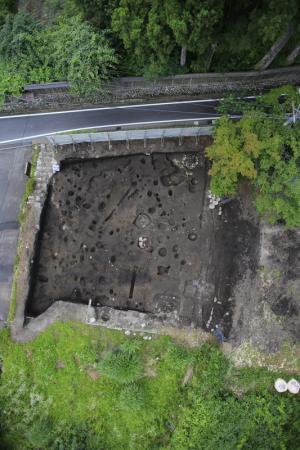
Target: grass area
29,186
77,387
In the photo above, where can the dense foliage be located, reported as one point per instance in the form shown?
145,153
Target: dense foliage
84,40
260,148
66,391
7,7
68,49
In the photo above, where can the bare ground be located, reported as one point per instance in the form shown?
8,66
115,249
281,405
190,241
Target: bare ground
136,233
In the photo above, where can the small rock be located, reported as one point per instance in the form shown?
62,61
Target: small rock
28,353
188,376
93,374
60,364
127,332
143,242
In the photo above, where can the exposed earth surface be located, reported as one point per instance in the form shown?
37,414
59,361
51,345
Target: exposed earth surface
140,233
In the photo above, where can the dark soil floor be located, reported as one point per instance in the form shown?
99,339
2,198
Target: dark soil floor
136,232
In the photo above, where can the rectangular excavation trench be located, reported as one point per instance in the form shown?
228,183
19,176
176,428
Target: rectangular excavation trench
136,233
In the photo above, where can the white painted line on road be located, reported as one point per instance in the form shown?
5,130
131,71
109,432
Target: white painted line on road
27,138
111,107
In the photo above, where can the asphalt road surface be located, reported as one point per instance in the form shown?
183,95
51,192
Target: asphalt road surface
21,127
16,133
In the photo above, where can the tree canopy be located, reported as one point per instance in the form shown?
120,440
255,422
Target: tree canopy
68,49
144,38
261,149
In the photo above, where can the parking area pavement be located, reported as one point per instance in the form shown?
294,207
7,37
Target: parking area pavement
12,181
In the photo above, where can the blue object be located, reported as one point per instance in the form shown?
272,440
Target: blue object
219,335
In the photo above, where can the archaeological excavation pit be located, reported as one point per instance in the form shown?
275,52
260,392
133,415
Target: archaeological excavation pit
136,233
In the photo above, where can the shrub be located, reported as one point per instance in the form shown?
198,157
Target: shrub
132,396
123,365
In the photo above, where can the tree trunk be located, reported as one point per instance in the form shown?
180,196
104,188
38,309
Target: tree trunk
275,49
183,56
293,55
211,55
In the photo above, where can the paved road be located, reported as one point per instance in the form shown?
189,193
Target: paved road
17,131
18,128
12,180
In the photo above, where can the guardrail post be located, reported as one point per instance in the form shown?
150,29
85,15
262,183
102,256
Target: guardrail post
180,140
162,139
109,144
73,143
92,142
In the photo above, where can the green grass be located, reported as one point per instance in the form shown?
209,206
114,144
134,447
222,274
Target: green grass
57,392
28,187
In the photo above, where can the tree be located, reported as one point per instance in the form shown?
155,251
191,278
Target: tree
80,55
20,41
11,82
233,153
276,48
194,24
97,12
274,24
161,41
7,7
129,22
260,149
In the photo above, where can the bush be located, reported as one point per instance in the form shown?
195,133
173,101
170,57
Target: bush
132,396
68,50
123,365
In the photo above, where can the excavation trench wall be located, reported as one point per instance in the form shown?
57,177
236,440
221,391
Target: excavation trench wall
50,155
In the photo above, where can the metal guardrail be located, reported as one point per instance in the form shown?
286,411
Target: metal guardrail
68,139
176,80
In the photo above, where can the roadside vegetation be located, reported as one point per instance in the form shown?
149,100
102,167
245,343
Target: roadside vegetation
85,42
77,387
262,150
